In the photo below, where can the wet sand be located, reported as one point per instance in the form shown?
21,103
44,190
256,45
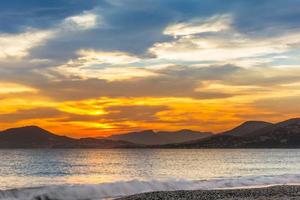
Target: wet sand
266,193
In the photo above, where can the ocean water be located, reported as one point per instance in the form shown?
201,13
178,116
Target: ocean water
100,174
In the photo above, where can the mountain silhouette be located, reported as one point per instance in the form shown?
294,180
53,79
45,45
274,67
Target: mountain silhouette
36,137
247,128
150,137
284,134
251,134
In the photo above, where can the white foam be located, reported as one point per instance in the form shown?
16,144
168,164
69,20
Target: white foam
125,188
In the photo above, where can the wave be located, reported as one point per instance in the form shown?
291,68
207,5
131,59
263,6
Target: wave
125,188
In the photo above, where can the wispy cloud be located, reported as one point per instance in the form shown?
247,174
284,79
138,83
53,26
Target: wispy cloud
197,26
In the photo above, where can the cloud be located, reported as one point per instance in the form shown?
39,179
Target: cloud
83,21
135,26
284,105
20,45
103,65
133,113
169,82
196,26
17,46
13,88
37,113
105,73
226,44
100,57
173,81
119,30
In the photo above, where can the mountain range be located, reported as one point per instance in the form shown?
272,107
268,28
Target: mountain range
150,137
250,134
254,134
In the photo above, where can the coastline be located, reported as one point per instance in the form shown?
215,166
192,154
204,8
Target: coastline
280,192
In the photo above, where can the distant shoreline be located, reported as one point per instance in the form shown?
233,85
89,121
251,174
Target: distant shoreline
282,192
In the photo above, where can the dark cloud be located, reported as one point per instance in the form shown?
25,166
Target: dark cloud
175,81
38,113
147,87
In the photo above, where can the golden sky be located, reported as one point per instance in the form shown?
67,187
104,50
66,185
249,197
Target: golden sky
88,74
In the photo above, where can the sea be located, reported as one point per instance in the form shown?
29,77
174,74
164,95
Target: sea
95,174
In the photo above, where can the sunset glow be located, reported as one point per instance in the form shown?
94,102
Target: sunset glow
93,73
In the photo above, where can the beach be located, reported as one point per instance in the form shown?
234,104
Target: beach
283,192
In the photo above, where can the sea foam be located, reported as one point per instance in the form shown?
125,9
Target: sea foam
125,188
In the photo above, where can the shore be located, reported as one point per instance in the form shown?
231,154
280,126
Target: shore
285,192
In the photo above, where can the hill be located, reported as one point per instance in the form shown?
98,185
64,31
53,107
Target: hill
150,137
247,128
36,137
284,134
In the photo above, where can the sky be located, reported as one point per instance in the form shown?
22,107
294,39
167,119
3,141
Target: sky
100,67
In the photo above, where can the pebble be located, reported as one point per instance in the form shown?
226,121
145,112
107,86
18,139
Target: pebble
291,192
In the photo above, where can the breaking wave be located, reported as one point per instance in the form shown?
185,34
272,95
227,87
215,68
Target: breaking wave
125,188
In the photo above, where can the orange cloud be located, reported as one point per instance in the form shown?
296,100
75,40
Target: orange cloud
105,116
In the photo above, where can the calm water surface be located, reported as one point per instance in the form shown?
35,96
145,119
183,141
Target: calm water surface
28,168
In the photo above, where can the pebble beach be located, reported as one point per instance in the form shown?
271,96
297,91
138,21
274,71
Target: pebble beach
285,192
